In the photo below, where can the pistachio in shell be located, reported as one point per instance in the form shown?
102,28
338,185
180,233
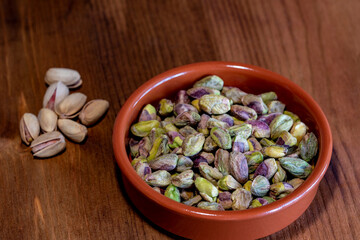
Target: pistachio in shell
54,94
47,120
71,105
93,111
29,128
48,144
71,78
73,130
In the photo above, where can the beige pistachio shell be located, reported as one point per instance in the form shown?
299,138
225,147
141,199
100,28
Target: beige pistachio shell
71,78
92,111
47,119
48,144
29,128
73,130
70,107
54,94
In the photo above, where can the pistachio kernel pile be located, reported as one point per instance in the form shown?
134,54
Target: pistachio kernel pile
59,107
219,148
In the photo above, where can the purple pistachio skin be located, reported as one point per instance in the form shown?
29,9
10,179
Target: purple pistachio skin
239,167
262,170
203,121
198,92
260,129
182,97
225,199
268,118
172,135
243,113
262,201
184,107
198,160
226,119
254,102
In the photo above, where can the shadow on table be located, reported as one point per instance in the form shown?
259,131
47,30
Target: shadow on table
122,188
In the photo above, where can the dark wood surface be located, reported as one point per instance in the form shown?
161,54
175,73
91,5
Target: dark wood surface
117,45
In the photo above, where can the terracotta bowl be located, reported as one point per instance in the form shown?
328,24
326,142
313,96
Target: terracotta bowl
194,223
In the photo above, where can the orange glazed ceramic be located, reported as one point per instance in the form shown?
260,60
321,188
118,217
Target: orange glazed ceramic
194,223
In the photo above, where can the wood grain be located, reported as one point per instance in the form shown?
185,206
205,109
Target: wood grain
117,45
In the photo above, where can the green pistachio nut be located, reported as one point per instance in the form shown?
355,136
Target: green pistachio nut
160,178
247,185
225,199
260,186
159,147
142,129
211,81
166,162
241,199
187,118
156,133
214,104
184,179
142,168
268,96
184,163
239,167
296,166
202,126
210,173
237,121
266,142
243,113
293,116
280,175
267,168
308,147
148,113
193,144
228,182
206,189
187,130
255,203
296,182
212,122
254,145
240,144
173,193
221,137
166,107
274,151
169,127
134,147
255,102
222,158
286,139
269,199
281,123
210,145
299,130
193,201
186,194
209,157
198,92
244,130
196,104
210,206
234,94
276,106
253,160
279,188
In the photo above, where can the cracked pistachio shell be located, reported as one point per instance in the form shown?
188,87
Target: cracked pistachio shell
187,118
228,182
296,166
187,130
254,145
210,173
268,96
71,105
213,122
286,139
48,144
196,104
260,186
147,113
240,144
29,128
259,129
243,130
54,94
298,130
192,201
222,158
159,147
166,162
255,102
198,92
211,81
241,199
160,178
193,144
239,167
173,193
202,126
280,123
296,182
184,163
71,78
266,142
253,160
279,188
276,106
184,179
280,175
308,147
166,107
142,129
221,137
93,111
214,104
224,200
210,206
274,151
267,168
47,120
210,145
73,130
184,107
243,113
206,189
234,94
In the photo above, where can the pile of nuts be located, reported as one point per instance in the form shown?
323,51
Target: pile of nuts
219,148
59,107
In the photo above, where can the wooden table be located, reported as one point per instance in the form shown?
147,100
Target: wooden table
117,45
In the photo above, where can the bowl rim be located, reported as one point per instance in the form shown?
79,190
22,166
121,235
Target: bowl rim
311,182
